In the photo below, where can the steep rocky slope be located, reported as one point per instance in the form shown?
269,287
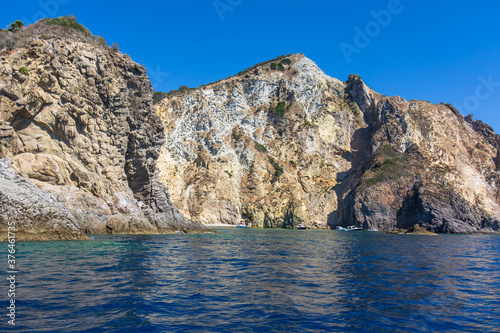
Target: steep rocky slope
76,119
282,144
29,213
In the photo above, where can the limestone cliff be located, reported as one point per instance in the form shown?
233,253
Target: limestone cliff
282,143
76,119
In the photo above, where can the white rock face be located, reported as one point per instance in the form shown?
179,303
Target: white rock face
275,147
230,119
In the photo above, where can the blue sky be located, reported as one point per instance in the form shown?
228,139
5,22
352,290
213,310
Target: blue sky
441,51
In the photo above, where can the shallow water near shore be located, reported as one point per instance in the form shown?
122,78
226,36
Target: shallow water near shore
258,280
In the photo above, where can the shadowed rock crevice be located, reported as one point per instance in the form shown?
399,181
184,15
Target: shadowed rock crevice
360,157
412,211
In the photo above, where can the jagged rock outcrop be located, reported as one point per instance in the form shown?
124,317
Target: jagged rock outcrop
284,144
76,118
29,213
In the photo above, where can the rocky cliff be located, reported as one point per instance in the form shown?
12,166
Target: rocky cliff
282,143
77,120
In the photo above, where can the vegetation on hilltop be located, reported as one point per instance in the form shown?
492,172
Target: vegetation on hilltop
279,62
16,26
281,59
280,66
68,21
158,96
18,36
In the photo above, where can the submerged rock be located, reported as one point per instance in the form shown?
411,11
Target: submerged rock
415,230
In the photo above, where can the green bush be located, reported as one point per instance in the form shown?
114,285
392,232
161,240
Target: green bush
281,67
388,165
23,70
158,96
101,41
68,21
280,109
274,66
16,26
260,147
306,123
286,61
388,151
278,170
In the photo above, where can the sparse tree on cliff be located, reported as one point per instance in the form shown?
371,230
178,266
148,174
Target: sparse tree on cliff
16,26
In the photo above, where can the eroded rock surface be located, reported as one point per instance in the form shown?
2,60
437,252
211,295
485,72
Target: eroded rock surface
276,146
30,212
76,118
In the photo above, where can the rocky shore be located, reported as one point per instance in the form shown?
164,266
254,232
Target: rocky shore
282,143
415,230
84,150
78,126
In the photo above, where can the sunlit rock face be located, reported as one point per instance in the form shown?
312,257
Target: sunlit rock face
77,120
284,144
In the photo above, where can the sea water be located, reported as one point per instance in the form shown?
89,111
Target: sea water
258,280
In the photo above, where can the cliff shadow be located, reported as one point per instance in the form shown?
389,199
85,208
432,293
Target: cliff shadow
348,181
360,156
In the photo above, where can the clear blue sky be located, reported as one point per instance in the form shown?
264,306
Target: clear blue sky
432,50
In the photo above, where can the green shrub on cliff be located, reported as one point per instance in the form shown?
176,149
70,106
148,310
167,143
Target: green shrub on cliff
158,96
45,29
23,70
16,26
390,165
101,41
68,21
280,109
278,170
260,147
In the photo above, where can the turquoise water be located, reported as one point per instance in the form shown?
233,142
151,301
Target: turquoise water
259,280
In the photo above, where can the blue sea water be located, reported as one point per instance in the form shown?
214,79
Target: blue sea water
258,280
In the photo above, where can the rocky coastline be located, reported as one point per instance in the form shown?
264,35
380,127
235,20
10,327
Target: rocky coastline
77,123
274,147
83,150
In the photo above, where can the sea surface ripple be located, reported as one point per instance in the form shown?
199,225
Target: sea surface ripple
258,280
